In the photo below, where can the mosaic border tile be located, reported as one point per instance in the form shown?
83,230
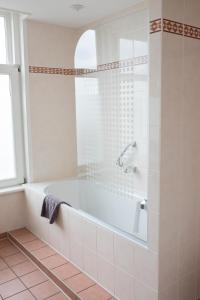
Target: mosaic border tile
155,25
78,72
174,27
192,31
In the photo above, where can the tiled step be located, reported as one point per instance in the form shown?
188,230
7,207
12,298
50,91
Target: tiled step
21,279
66,276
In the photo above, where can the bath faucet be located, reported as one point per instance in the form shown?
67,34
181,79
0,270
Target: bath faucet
130,169
120,162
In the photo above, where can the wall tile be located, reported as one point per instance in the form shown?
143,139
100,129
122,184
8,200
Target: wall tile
76,224
173,10
76,253
191,16
187,287
124,254
143,292
153,231
90,235
106,274
90,263
168,268
124,288
105,243
146,267
171,293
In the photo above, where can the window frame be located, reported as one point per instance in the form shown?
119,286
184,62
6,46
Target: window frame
12,68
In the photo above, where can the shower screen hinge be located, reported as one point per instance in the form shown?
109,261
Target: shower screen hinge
25,180
19,69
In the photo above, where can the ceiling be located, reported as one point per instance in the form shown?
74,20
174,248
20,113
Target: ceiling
60,11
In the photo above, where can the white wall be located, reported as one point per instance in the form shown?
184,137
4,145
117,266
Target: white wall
12,211
180,157
52,102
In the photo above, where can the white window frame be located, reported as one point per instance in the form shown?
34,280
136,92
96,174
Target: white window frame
12,68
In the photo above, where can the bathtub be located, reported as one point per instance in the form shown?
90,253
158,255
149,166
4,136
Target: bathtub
98,234
117,211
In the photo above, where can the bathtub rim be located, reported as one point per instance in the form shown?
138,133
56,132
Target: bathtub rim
39,187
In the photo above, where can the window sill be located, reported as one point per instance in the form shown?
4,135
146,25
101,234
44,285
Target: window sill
13,189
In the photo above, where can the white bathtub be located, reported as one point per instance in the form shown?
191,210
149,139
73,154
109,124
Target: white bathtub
96,233
93,201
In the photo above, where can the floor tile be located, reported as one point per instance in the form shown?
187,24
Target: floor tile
79,282
33,278
19,232
26,295
95,293
24,238
54,261
6,275
5,243
11,288
24,268
15,259
34,245
9,250
43,252
59,296
66,271
44,290
2,265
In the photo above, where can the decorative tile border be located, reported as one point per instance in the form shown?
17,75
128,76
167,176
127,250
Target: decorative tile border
47,70
192,31
174,27
156,25
78,72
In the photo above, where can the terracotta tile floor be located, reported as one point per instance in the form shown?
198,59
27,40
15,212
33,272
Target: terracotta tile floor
20,279
26,280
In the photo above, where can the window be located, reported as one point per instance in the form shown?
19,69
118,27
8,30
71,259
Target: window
11,142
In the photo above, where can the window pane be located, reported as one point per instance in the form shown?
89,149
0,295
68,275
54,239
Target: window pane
2,41
7,156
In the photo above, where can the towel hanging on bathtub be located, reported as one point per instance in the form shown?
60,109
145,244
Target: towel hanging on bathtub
50,208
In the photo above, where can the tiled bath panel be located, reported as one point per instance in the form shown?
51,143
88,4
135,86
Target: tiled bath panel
120,265
33,271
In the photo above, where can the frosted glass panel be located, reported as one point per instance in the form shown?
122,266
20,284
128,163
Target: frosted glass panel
7,157
3,54
112,121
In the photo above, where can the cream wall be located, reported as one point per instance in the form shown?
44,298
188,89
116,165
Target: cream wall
12,212
179,245
51,102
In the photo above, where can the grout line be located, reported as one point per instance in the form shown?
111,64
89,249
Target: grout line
87,288
71,276
16,295
63,286
41,258
24,243
16,274
67,262
19,277
37,248
51,296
